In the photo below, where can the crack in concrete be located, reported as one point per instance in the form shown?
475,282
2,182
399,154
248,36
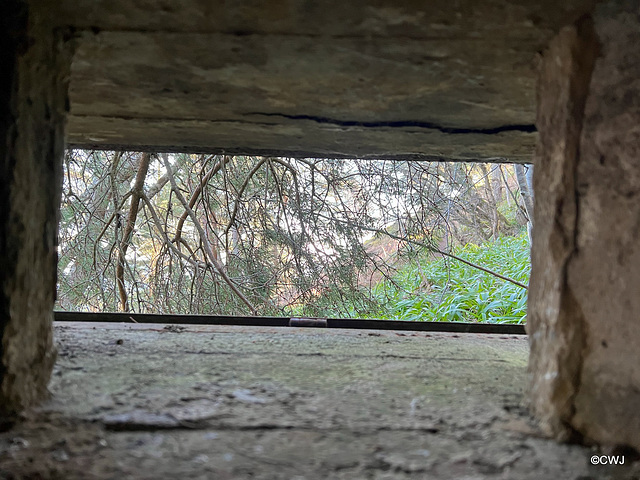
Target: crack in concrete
590,52
329,355
526,128
366,36
572,319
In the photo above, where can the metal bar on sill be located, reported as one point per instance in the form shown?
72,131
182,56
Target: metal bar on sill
454,327
308,322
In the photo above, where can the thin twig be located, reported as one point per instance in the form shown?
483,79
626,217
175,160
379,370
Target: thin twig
430,248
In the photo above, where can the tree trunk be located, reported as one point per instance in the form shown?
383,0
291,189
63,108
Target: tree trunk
492,203
524,175
136,196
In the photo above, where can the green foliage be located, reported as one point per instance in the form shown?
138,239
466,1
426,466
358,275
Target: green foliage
449,291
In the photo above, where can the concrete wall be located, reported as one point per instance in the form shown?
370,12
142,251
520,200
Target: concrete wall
584,300
585,334
32,106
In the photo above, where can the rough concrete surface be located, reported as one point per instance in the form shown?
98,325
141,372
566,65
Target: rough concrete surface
608,229
436,80
554,321
33,102
583,298
154,402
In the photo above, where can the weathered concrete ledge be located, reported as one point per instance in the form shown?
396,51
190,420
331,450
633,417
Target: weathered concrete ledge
144,401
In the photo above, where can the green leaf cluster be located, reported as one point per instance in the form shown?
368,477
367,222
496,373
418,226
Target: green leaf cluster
449,291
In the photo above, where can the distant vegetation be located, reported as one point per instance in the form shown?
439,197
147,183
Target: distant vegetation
214,234
449,291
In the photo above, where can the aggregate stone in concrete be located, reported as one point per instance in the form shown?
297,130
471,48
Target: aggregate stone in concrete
156,402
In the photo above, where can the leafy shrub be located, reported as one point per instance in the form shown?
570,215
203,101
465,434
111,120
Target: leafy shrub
449,291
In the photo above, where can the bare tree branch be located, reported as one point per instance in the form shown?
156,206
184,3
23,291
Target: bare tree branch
203,238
